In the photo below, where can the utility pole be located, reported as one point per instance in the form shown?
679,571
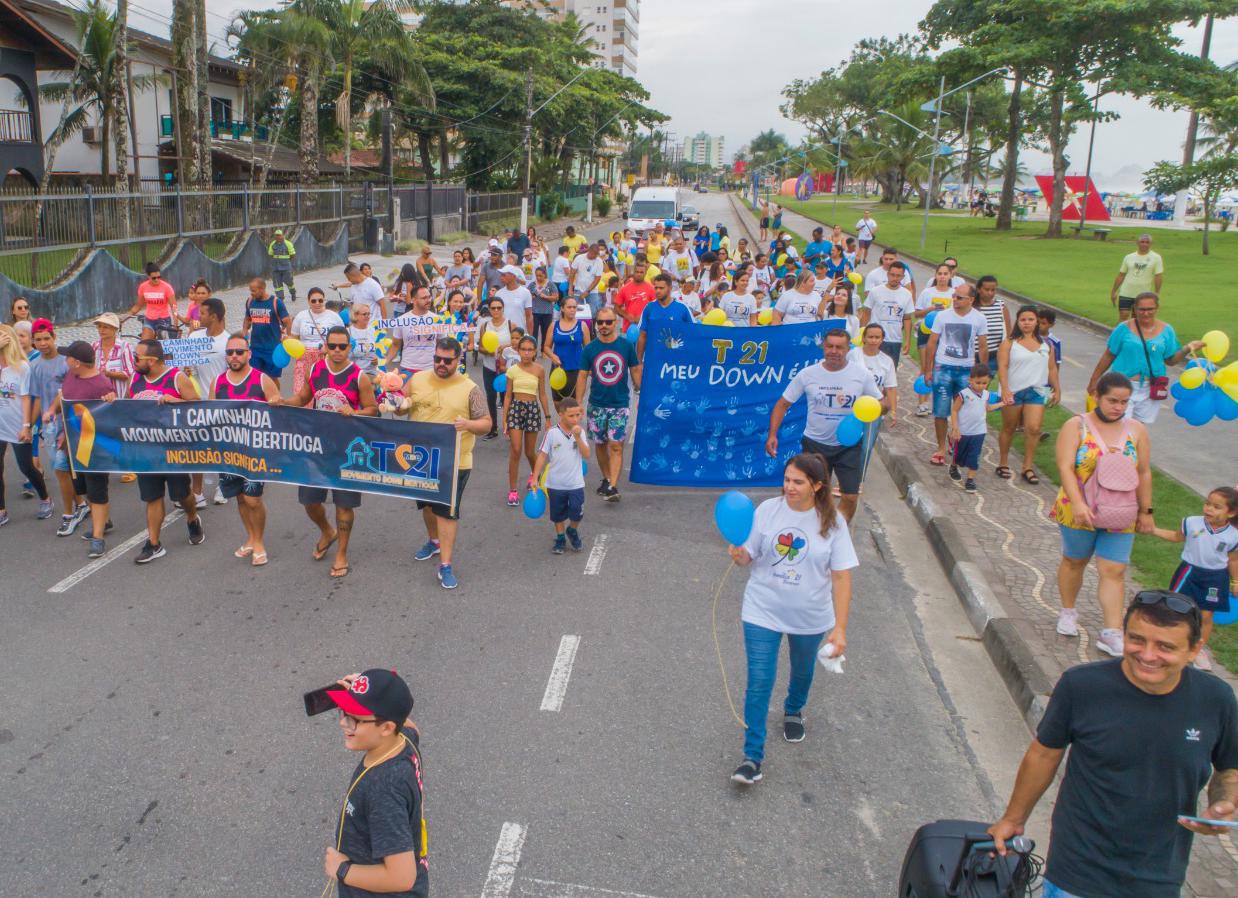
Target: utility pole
968,137
928,204
528,149
1192,125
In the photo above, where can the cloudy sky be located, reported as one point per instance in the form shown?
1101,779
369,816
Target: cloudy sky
719,66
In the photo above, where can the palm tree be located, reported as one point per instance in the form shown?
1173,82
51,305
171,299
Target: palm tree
193,112
261,44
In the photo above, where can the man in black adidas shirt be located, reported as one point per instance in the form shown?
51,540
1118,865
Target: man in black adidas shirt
380,845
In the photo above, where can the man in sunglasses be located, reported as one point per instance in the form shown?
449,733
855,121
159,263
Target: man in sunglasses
606,364
335,385
445,396
241,381
1145,731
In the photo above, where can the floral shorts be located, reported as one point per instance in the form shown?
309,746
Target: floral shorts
524,414
608,425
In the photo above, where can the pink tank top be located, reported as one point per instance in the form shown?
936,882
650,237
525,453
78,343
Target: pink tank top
249,388
333,391
164,385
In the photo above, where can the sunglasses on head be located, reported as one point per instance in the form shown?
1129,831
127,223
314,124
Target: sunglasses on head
337,346
236,351
1172,601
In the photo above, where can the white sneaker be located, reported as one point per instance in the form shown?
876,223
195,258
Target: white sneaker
1203,661
922,410
220,498
1110,642
1068,622
199,501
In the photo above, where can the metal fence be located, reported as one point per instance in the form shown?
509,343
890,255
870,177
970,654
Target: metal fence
484,207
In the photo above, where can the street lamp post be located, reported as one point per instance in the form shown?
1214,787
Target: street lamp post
941,94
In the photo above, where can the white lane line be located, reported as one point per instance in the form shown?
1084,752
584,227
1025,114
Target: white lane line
1069,361
596,555
502,875
104,560
548,888
556,687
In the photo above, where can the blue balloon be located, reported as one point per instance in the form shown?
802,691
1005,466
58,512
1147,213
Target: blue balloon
733,514
929,319
632,333
1226,408
1177,391
500,384
850,431
1196,410
534,504
1201,363
922,388
344,316
280,357
584,468
1225,618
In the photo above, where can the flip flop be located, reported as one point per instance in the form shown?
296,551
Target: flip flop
320,551
338,572
244,552
260,558
937,458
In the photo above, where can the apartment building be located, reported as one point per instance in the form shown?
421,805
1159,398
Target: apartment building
612,25
704,149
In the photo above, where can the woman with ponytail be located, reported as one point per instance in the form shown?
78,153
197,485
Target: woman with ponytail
800,554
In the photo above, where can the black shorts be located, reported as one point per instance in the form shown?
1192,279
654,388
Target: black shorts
448,512
151,487
566,505
232,485
315,495
845,462
1126,302
92,486
764,222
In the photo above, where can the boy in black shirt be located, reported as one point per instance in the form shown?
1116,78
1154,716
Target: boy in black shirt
380,845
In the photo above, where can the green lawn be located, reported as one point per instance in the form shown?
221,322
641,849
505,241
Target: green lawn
1153,560
1070,274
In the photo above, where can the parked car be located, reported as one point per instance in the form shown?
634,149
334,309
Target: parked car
689,217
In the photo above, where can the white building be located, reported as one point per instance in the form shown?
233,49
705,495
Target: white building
612,25
703,149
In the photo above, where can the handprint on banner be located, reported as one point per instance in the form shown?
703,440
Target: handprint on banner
762,410
702,405
665,441
698,426
748,456
683,405
712,446
698,472
732,405
669,340
661,413
719,427
749,427
678,386
731,473
686,446
677,466
643,464
659,461
749,473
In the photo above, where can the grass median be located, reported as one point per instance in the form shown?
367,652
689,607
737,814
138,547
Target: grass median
1070,274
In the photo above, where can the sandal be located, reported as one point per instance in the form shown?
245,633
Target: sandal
260,558
320,551
1029,476
1004,472
244,552
938,459
338,572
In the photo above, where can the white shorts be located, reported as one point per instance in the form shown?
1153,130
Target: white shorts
1141,408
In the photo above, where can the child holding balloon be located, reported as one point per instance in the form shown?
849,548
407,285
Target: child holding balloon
562,456
1208,573
967,424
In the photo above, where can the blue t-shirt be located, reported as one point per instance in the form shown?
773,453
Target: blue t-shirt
569,345
609,364
816,250
838,269
700,244
265,316
715,241
1128,354
656,314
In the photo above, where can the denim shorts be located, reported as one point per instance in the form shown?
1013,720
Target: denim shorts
948,382
1107,544
1029,396
566,505
1052,891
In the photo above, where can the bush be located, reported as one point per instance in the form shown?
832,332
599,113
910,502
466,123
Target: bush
408,247
603,204
552,206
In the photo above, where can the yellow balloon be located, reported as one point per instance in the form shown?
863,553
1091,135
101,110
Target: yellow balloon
856,340
1193,377
765,316
924,328
728,323
1216,345
490,341
867,409
1231,390
294,347
558,379
854,277
1228,376
1090,404
713,316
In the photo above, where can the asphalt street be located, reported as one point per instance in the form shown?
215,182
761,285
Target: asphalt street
153,743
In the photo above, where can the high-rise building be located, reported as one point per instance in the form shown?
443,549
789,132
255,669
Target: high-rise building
612,26
704,149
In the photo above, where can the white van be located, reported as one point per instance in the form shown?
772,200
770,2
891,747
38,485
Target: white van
651,205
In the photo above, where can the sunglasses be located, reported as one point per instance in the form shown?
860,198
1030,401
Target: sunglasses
1174,602
318,299
605,322
337,346
444,360
235,351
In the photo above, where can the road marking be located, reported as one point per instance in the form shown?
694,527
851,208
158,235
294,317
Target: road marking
596,555
1070,361
502,875
104,560
556,687
548,888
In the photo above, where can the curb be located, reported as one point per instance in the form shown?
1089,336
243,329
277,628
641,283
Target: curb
1028,683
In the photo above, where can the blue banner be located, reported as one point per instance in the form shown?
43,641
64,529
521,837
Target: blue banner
706,396
271,443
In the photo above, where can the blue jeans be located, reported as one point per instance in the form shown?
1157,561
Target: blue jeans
762,648
596,301
948,382
1052,891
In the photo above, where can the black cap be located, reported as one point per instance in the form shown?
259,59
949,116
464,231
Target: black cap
81,351
377,692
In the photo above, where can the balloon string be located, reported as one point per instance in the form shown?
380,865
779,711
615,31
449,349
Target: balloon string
718,646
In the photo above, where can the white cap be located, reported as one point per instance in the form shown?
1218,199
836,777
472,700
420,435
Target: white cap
512,270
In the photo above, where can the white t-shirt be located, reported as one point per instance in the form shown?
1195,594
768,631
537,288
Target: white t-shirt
515,301
762,278
831,394
971,413
790,585
417,351
363,354
1027,367
558,272
311,328
368,293
692,301
564,466
866,229
889,308
679,265
14,384
587,270
739,307
933,298
879,277
881,366
1205,547
216,364
798,308
956,337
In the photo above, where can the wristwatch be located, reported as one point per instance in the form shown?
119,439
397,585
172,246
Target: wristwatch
342,870
1147,511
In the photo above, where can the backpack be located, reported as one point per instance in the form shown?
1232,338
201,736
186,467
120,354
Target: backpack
1110,493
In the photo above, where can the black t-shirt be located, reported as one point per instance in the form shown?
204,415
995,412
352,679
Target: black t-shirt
383,817
1136,762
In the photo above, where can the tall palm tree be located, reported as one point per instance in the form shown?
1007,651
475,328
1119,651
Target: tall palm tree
261,44
188,54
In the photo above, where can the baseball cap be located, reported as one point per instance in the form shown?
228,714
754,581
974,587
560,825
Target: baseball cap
512,270
43,324
375,692
81,351
111,319
279,232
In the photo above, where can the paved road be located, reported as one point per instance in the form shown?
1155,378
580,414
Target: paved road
152,740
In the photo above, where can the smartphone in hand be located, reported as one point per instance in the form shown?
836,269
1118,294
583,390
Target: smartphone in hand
318,702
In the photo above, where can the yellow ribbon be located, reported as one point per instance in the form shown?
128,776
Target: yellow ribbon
86,440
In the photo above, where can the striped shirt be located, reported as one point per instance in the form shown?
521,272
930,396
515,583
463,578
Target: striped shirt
995,321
